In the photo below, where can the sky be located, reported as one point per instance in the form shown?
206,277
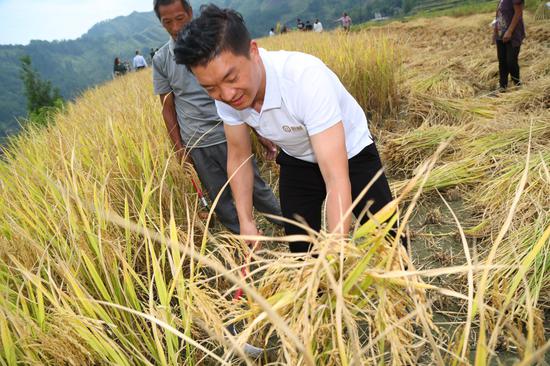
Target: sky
23,20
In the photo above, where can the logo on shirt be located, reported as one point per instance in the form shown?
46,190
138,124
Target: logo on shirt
290,129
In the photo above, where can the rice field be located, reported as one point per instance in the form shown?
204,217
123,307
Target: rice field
104,258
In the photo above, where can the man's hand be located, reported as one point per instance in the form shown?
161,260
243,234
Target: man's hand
250,229
518,14
270,147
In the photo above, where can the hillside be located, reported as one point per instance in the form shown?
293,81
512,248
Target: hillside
74,65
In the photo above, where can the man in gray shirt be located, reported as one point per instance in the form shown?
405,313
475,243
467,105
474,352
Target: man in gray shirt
192,121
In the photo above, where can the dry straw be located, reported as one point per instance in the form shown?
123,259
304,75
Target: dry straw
104,259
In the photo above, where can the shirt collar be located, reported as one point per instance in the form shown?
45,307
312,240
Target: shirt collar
171,45
272,98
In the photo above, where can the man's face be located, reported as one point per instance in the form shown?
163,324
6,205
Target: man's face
173,17
232,79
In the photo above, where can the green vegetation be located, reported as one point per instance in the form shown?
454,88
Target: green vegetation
457,8
76,65
454,8
104,258
43,100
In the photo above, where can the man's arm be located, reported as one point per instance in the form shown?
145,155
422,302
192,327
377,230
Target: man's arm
239,149
329,147
171,121
518,14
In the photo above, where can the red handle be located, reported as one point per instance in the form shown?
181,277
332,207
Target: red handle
199,193
239,292
197,189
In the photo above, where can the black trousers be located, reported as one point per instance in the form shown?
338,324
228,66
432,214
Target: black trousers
508,62
302,190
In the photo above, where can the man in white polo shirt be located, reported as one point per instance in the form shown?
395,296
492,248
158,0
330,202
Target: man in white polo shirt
139,61
297,102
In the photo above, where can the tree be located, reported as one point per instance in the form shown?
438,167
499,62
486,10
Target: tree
43,99
408,5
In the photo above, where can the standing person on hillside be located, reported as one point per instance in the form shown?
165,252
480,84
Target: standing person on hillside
296,101
271,32
346,21
317,26
299,24
509,32
194,127
139,61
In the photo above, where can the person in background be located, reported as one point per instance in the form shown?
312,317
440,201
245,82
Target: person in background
308,27
509,32
317,26
296,101
118,68
139,61
194,127
299,24
271,32
346,21
152,54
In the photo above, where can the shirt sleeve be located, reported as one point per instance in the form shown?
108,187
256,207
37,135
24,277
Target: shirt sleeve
161,84
228,115
318,101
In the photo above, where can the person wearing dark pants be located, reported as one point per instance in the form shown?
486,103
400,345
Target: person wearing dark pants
508,64
509,32
296,101
211,166
194,127
302,190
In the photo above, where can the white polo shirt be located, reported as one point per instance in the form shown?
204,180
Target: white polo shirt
303,97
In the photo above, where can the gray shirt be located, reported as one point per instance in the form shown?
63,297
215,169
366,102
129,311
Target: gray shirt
199,123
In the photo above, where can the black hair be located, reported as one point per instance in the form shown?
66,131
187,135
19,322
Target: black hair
213,32
157,3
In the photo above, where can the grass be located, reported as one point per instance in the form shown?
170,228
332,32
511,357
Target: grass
474,7
367,62
542,11
104,259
